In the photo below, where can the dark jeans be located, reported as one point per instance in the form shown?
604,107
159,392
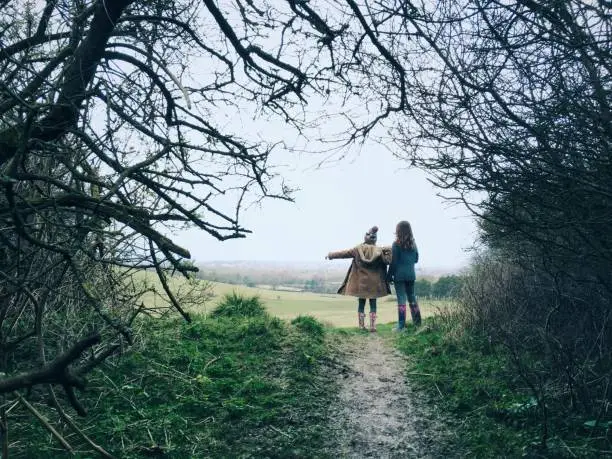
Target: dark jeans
405,290
361,305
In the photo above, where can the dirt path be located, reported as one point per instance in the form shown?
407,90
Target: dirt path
377,414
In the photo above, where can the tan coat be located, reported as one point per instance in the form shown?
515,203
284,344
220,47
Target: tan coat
366,277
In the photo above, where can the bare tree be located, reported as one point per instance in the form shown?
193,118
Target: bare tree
514,117
510,113
116,129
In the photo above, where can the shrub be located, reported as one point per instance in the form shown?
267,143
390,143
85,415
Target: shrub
309,325
236,305
556,329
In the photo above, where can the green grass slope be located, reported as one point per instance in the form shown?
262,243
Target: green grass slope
331,309
239,383
490,406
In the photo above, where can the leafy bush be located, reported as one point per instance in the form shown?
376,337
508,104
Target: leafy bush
310,326
236,305
475,380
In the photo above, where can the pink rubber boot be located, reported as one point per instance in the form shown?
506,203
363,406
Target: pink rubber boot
361,320
372,321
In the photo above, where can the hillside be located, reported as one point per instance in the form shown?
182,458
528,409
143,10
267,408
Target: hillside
239,382
331,309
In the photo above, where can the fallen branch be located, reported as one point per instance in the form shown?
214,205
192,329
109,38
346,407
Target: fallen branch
45,423
56,372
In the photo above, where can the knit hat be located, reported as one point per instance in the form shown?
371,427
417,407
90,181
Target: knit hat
371,235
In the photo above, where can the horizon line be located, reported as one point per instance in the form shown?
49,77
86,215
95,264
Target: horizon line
323,261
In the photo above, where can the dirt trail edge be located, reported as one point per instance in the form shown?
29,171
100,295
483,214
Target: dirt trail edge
376,413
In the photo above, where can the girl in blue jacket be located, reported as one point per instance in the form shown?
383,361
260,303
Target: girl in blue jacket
401,272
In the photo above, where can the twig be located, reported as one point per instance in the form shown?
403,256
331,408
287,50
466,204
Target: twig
74,427
439,391
567,447
10,408
45,423
97,359
210,362
164,282
414,373
177,374
280,432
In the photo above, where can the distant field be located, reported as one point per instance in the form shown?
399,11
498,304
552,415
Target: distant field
336,310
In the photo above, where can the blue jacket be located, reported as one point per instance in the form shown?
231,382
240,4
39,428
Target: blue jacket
402,263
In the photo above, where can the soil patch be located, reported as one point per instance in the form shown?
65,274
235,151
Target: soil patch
376,413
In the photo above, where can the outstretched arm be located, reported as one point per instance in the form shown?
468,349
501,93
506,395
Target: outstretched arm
350,253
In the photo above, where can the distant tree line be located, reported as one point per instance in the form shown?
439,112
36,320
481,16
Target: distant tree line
444,287
253,278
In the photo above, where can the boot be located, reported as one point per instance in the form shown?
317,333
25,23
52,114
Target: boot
361,320
401,317
372,321
415,312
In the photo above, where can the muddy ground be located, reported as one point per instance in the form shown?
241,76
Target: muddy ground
377,414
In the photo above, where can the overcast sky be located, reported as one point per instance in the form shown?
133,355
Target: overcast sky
338,203
334,208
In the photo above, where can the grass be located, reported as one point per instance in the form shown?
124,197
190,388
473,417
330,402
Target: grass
333,310
468,380
240,384
494,414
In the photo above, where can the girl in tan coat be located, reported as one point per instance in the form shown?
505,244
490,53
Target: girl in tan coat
366,277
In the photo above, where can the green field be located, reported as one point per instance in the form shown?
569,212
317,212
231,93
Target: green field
335,310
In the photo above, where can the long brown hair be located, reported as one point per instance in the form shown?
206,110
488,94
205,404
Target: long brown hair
405,238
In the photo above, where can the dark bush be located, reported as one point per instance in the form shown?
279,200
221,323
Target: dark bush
556,329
